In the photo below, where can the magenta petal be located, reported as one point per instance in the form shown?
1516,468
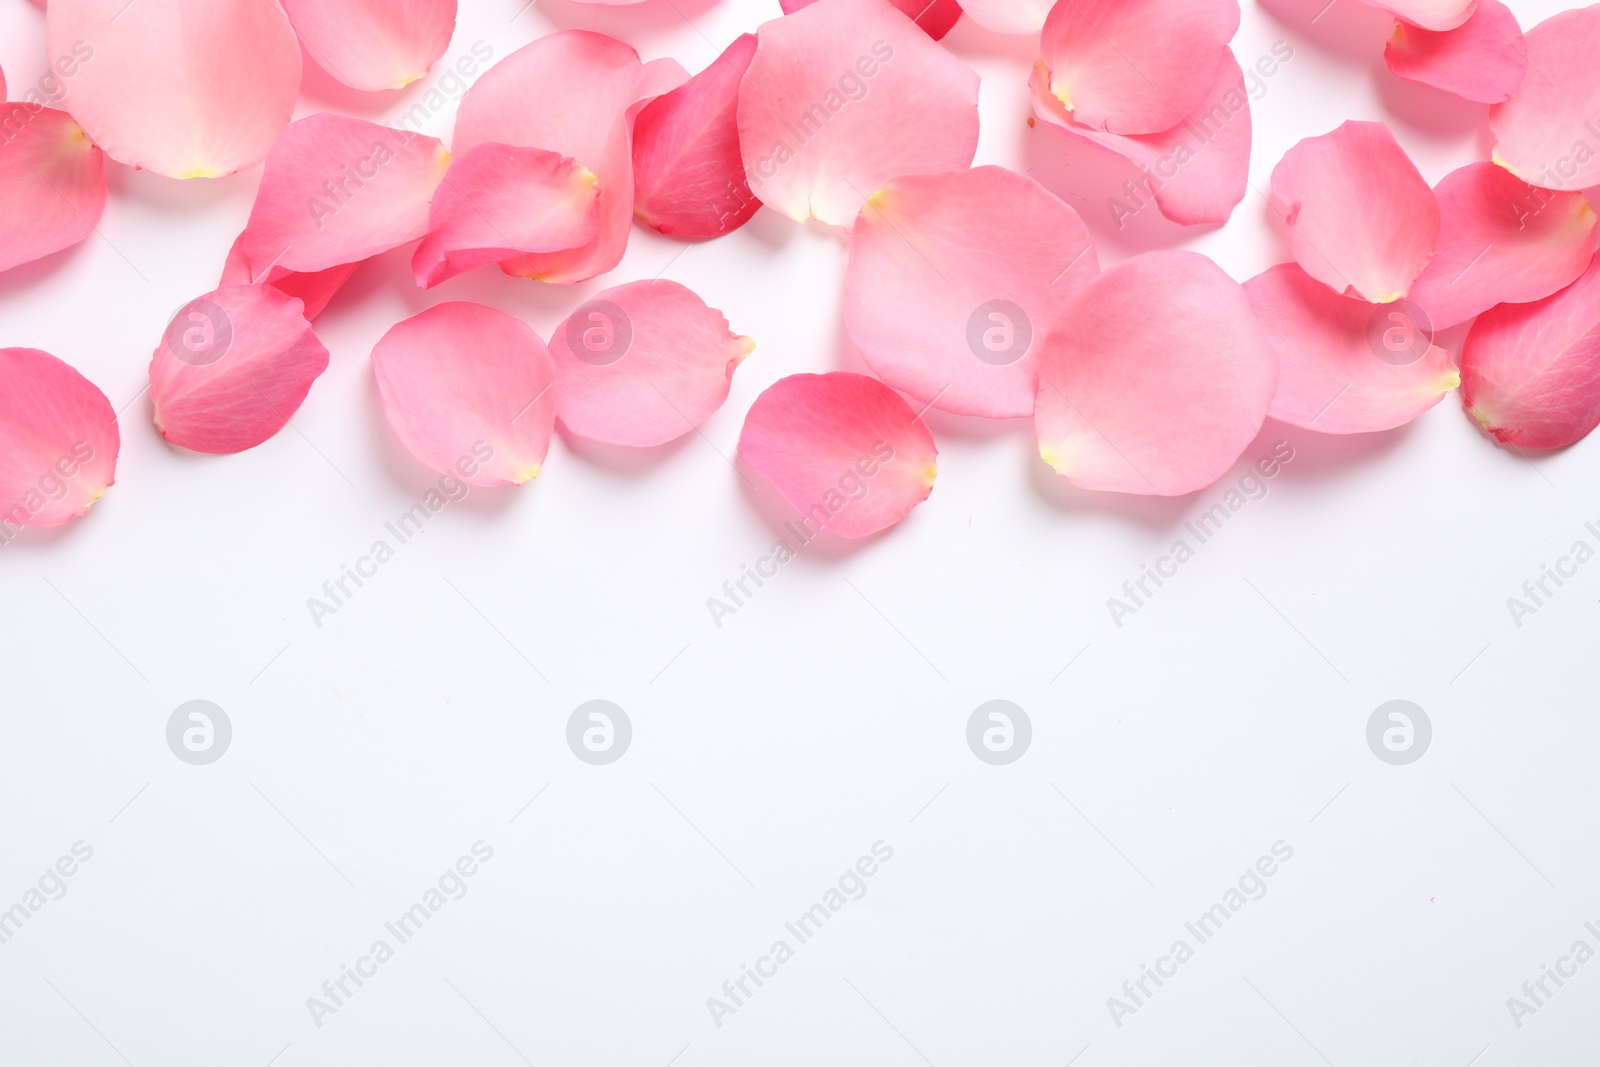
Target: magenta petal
374,44
52,183
233,367
313,290
1549,133
936,17
1483,59
844,450
58,441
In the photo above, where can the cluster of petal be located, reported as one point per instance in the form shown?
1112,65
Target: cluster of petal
52,183
374,44
58,441
1549,133
1483,59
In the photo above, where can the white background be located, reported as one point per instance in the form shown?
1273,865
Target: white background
828,714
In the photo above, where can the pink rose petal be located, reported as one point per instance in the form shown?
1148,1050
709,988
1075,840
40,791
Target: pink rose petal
185,88
1483,59
1549,133
841,97
844,450
233,367
374,44
58,441
955,279
643,364
313,290
934,16
1155,380
1360,218
469,391
1008,16
1429,14
52,183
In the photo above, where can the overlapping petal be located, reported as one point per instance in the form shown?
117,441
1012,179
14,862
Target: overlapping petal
58,441
934,16
1008,16
1483,59
374,44
313,290
52,183
1429,14
1549,133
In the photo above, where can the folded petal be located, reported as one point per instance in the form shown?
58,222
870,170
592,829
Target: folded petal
1429,14
1549,133
500,203
577,94
1360,218
934,16
955,279
1008,16
841,97
469,391
1502,241
58,441
844,450
233,367
1156,379
1196,172
52,183
643,364
1483,59
687,171
1530,373
374,44
185,88
313,290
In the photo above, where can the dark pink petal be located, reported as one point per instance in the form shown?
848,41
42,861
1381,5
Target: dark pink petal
1530,373
841,97
469,391
1195,172
185,88
1549,133
232,369
643,364
500,204
1135,66
52,183
1429,14
313,290
1156,379
1483,59
934,16
576,94
1360,218
687,171
58,441
1502,241
374,44
1346,366
955,279
844,450
1008,16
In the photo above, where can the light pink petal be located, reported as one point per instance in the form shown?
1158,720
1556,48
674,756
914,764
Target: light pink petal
52,183
1135,66
844,450
643,364
687,171
470,391
1360,218
954,281
1156,379
1483,59
1008,16
1530,373
58,441
934,16
1196,172
1502,242
1346,366
374,44
500,203
185,88
576,94
841,97
1429,14
233,367
1549,133
339,190
313,290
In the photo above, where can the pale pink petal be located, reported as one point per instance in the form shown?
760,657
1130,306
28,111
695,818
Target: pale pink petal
52,183
1156,379
500,203
844,450
643,364
1549,133
577,94
233,367
687,171
843,96
185,88
313,290
1429,14
954,281
1502,241
469,391
58,441
934,16
1483,59
1135,66
1530,373
1196,172
1008,16
374,44
1360,218
1346,366
2,85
